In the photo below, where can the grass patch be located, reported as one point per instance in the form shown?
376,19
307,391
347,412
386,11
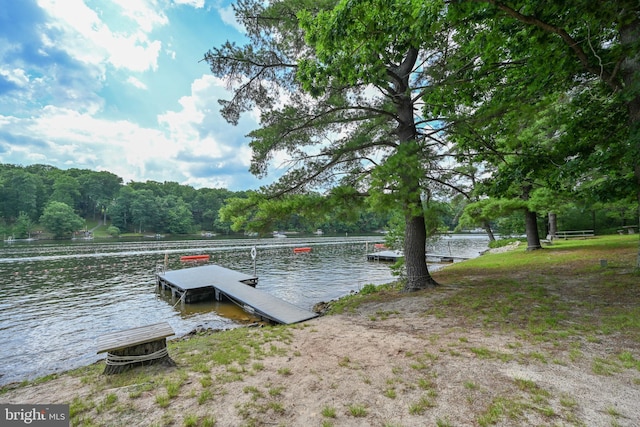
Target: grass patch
163,400
285,371
357,411
500,408
383,314
204,397
605,367
79,406
470,385
566,293
421,406
173,388
328,412
532,398
368,293
390,393
482,352
276,391
628,361
239,347
190,420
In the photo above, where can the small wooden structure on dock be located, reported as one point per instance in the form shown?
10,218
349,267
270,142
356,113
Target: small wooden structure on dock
216,282
144,345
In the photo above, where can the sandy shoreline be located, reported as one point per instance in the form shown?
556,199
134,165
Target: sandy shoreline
395,364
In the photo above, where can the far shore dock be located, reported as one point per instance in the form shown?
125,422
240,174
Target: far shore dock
394,256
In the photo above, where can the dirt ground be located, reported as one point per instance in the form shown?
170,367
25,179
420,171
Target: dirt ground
386,365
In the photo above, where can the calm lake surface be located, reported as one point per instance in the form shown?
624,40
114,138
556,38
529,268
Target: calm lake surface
57,298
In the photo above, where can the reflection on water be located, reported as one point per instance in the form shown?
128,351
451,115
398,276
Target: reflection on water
56,299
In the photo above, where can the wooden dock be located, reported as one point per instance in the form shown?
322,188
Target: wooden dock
445,258
216,282
385,256
396,255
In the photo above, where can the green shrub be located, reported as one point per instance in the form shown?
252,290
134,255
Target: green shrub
113,231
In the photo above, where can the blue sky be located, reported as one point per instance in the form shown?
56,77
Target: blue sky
117,85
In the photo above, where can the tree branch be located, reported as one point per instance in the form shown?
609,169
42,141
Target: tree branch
566,37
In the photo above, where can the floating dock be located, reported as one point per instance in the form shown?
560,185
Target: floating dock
445,258
394,256
215,282
385,256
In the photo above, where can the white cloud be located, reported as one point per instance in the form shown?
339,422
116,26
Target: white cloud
16,76
192,146
208,143
228,17
145,13
198,4
137,83
128,53
82,33
65,136
187,124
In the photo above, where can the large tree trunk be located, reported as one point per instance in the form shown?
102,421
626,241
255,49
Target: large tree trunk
415,240
531,227
553,225
415,234
487,227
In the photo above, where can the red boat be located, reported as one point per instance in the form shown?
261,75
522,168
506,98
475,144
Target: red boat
194,258
301,250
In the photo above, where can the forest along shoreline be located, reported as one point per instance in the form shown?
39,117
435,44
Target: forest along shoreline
526,338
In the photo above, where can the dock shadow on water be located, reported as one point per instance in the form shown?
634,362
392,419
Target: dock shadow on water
57,298
201,309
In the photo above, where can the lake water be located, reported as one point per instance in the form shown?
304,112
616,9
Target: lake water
57,298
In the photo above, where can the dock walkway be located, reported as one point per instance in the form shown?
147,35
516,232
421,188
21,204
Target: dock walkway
214,282
396,255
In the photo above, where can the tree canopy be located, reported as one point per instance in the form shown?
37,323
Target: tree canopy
60,219
400,99
344,123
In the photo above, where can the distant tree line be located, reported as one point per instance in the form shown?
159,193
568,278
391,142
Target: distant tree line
37,197
60,201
